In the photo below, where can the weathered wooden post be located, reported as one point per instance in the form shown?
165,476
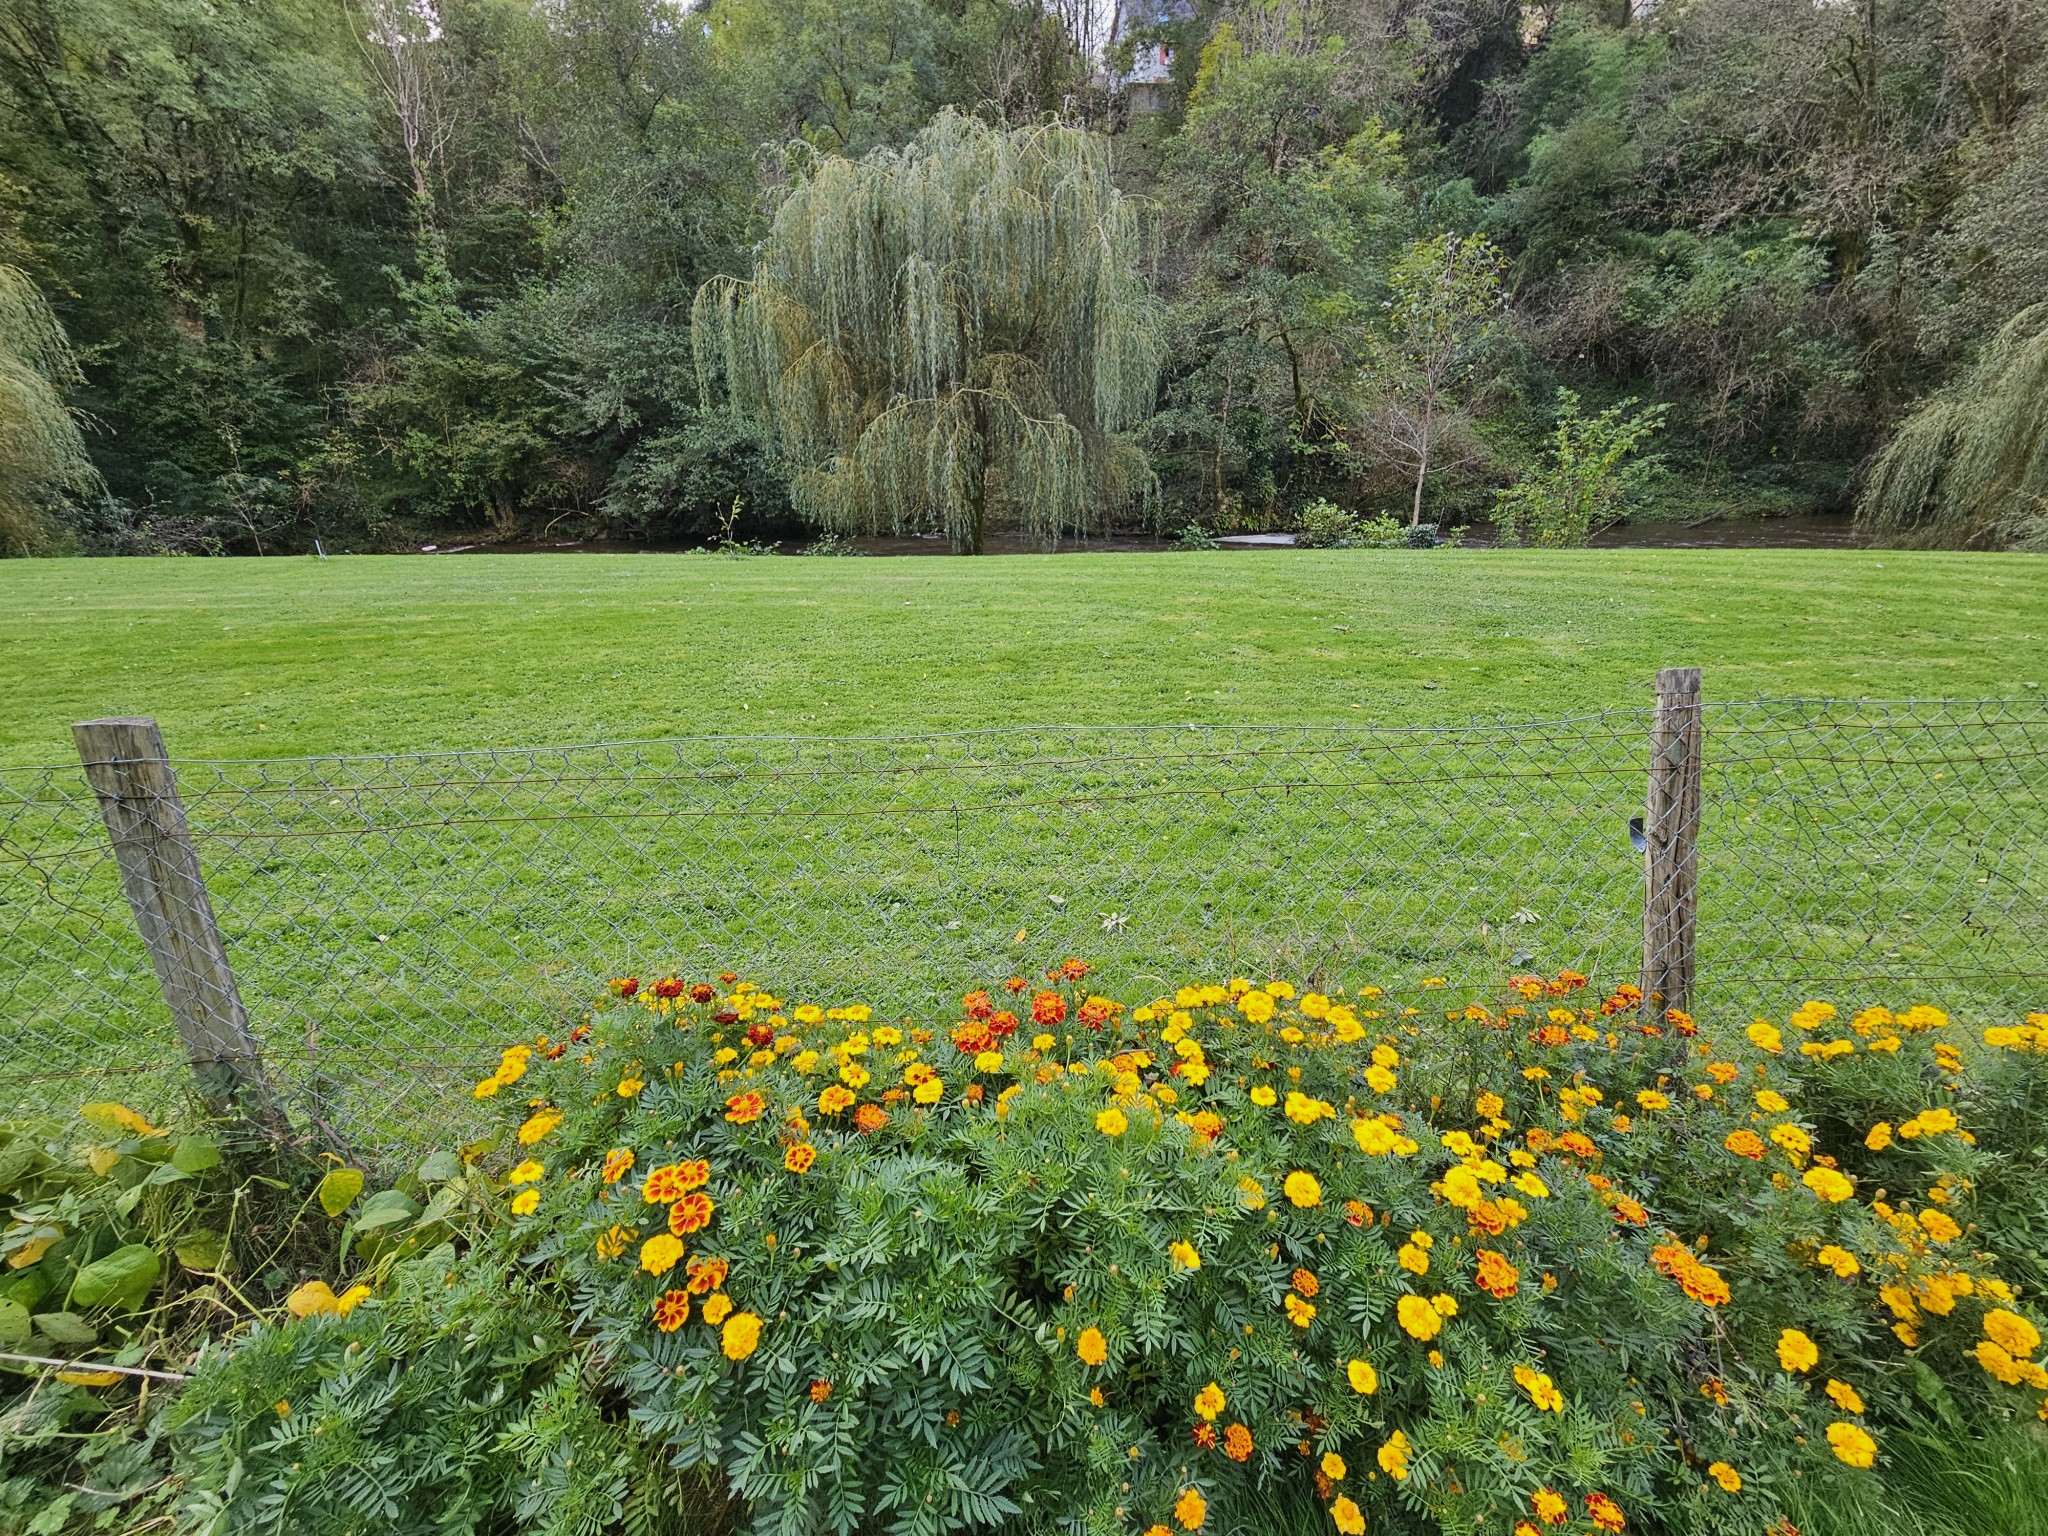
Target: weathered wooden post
129,770
1671,824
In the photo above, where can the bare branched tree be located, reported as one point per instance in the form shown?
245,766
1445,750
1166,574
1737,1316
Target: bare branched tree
401,40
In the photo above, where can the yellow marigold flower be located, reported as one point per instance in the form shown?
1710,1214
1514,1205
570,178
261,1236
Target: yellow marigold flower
1302,1189
1251,1194
930,1091
740,1336
1350,1519
538,1124
1256,1006
1394,1456
1550,1506
717,1307
1765,1037
1333,1466
1418,1319
1832,1186
854,1075
1852,1444
1729,1479
1303,1110
613,1241
487,1088
1191,1509
2011,1332
528,1172
1184,1255
1795,1141
1300,1313
1840,1260
1446,1306
1532,1186
526,1202
1940,1226
1092,1347
630,1085
1210,1401
348,1300
1771,1102
1363,1378
1844,1396
1649,1098
1541,1389
661,1253
1264,1097
1380,1079
1413,1259
1796,1352
1880,1136
1111,1122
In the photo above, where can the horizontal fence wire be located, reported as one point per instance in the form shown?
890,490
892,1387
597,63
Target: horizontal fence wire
389,917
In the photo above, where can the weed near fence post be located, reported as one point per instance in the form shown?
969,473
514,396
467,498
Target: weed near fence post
130,773
1670,837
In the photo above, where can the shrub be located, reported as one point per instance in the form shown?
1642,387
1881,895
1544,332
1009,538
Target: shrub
1237,1254
1594,470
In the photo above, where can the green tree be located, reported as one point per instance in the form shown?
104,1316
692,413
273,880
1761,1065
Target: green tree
1969,468
41,452
1445,313
932,330
1594,467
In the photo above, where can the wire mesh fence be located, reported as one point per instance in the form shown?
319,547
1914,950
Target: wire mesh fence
388,917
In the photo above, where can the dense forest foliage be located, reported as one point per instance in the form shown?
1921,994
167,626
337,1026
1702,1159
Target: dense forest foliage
379,271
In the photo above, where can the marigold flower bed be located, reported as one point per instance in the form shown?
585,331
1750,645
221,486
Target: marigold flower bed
1524,1266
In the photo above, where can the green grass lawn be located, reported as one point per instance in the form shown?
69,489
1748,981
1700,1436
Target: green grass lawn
287,657
387,921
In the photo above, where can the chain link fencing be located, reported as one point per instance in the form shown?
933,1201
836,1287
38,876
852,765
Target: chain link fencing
391,919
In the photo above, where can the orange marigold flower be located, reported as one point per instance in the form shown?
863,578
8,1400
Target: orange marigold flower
1237,1443
1745,1144
1496,1276
1305,1282
1069,970
798,1159
821,1390
978,1004
870,1117
692,1213
744,1108
1092,1347
706,1275
1047,1008
1605,1512
671,1310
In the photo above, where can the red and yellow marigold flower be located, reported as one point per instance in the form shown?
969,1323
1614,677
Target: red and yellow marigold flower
745,1108
706,1275
692,1213
1604,1512
617,1164
799,1157
1496,1276
835,1100
671,1310
1549,1506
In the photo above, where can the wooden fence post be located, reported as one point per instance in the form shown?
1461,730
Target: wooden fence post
127,766
1671,824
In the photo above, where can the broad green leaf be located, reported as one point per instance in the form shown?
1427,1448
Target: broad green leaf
65,1328
26,1286
440,1167
339,1189
195,1154
201,1249
18,1159
14,1326
122,1279
386,1208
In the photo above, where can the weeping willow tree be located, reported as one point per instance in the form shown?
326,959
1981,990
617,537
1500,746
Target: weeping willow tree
40,449
1969,468
947,336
